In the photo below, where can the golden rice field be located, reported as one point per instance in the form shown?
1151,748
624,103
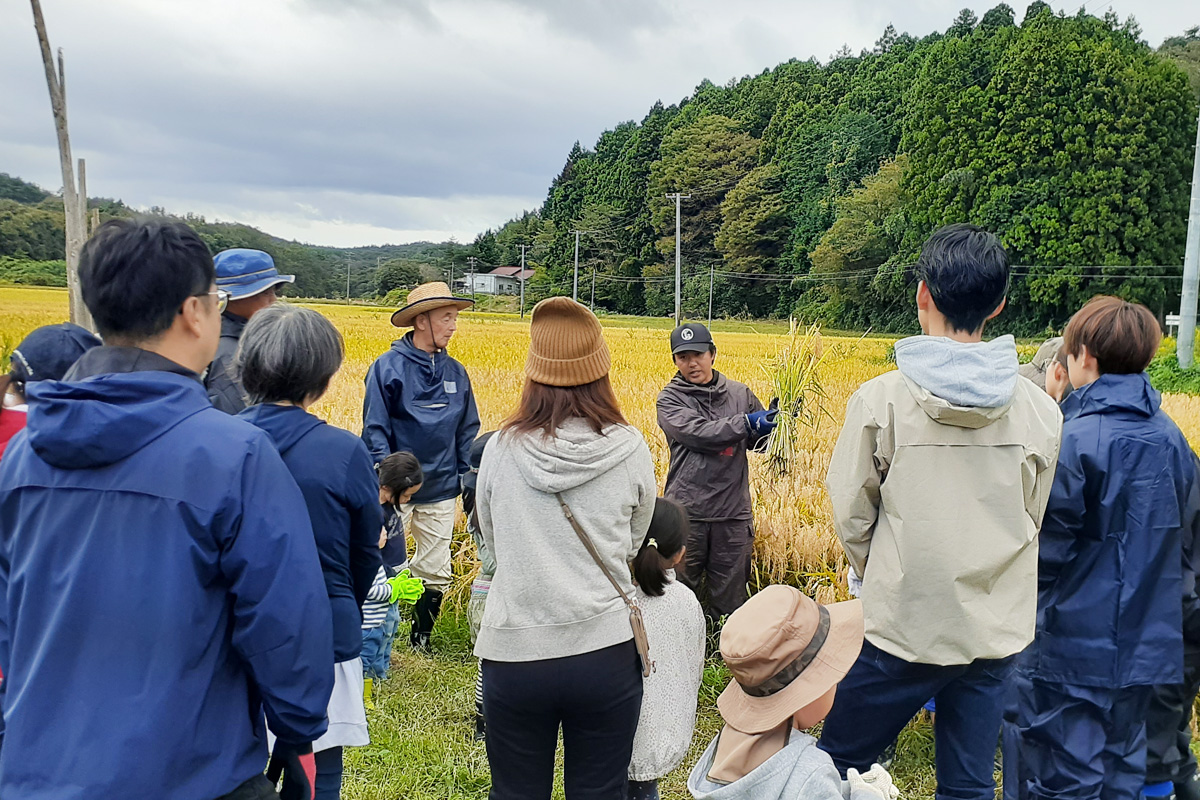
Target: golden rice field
795,539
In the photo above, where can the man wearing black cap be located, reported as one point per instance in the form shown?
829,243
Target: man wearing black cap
710,422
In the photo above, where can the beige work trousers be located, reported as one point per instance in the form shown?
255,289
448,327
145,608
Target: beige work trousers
431,526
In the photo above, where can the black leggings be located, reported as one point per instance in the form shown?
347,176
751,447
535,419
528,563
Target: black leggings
596,697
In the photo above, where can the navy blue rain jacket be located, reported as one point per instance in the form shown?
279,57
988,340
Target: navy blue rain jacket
159,589
337,478
422,403
1113,547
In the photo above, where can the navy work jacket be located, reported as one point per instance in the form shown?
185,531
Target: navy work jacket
1115,542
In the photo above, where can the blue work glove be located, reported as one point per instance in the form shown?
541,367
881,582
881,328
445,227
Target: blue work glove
298,766
762,423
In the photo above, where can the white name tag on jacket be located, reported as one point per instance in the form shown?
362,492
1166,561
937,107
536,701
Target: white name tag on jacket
450,386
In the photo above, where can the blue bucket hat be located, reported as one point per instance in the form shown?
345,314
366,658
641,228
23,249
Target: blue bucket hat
49,351
245,273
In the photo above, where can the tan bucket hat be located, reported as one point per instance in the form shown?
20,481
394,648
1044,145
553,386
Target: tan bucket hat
785,651
427,297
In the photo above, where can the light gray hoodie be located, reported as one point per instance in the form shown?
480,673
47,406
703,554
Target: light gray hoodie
799,770
548,598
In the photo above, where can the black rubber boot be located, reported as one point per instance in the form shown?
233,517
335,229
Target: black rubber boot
425,612
1189,789
480,728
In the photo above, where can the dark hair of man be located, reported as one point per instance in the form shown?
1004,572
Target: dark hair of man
400,472
667,535
966,271
1123,337
134,274
544,408
288,354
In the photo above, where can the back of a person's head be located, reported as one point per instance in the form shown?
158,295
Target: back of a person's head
135,274
400,471
288,354
966,270
669,528
1122,336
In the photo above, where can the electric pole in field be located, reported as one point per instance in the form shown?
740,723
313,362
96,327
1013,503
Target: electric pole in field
1191,268
521,278
677,197
347,281
575,290
471,261
593,305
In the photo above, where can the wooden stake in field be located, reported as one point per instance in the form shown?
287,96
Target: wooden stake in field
74,198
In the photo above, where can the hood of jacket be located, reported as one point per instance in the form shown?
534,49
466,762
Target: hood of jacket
573,456
102,420
405,347
969,385
681,385
1129,393
286,425
786,774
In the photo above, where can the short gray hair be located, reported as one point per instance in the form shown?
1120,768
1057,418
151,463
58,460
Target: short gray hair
288,354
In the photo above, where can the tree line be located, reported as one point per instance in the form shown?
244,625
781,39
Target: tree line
813,185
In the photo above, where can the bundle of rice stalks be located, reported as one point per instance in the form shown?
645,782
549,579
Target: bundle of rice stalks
794,373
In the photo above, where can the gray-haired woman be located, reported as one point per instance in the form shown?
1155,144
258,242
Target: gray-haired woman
287,357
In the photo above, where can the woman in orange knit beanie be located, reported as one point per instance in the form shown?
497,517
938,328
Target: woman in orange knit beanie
556,641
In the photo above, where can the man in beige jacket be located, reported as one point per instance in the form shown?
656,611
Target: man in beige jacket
939,481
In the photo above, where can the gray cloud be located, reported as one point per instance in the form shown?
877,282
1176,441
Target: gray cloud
348,121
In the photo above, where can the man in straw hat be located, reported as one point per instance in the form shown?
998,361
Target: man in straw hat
786,654
419,399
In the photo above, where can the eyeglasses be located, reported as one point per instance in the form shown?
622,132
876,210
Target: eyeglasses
222,299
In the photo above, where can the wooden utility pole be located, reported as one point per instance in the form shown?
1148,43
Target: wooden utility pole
74,198
521,276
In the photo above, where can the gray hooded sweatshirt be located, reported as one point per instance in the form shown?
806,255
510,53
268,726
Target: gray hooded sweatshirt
799,770
938,483
548,598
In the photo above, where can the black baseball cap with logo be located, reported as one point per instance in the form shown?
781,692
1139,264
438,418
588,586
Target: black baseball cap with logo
691,337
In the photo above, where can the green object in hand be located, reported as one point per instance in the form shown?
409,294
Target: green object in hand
406,588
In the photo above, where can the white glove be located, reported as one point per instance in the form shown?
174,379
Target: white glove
876,782
853,582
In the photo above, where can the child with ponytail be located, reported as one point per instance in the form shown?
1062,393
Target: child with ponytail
676,631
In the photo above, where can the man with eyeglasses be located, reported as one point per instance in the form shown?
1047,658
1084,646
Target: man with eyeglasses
250,278
160,590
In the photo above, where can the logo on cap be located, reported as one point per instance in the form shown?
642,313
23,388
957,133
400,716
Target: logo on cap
687,334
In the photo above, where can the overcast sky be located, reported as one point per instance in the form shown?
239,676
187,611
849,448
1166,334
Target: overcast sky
352,122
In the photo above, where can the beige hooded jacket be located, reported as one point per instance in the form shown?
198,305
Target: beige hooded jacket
939,481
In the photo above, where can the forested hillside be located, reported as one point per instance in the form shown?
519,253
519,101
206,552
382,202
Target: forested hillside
32,237
812,186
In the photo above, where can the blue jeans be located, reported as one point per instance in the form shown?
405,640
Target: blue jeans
1078,742
881,694
377,645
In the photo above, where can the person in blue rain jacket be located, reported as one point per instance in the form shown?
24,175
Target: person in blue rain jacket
159,583
287,357
1110,570
419,400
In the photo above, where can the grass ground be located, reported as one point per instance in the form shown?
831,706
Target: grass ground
421,731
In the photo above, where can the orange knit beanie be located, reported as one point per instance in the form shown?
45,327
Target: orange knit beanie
566,344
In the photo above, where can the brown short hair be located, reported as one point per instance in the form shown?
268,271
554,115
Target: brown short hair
545,408
1122,336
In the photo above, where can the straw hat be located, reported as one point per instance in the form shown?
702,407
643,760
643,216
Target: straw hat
785,651
566,345
427,297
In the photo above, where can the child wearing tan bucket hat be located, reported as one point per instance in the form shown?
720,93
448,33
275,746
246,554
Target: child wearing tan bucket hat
786,654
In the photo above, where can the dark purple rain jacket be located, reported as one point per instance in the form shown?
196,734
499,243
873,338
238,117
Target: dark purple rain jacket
708,435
